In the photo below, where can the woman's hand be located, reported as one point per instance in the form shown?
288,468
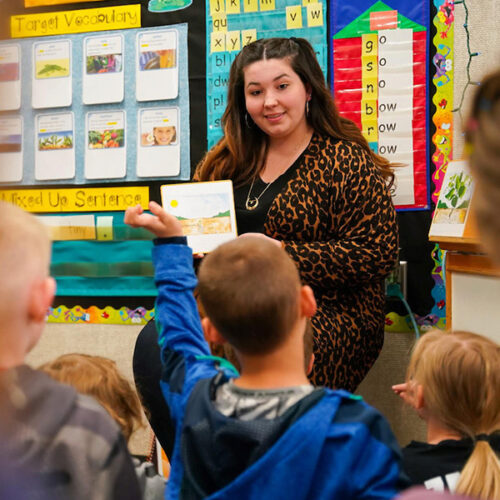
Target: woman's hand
263,236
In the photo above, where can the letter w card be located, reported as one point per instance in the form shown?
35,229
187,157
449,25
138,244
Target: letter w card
52,81
103,79
157,71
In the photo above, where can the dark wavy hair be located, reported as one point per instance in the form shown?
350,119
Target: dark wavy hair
240,153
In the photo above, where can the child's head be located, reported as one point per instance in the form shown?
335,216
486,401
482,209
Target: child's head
459,376
26,290
164,136
483,137
99,377
251,292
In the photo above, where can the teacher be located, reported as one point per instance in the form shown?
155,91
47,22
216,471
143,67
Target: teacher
306,178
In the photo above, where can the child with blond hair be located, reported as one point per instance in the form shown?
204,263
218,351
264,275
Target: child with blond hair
100,378
62,442
453,382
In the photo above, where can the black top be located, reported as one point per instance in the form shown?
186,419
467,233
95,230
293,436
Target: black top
440,462
252,221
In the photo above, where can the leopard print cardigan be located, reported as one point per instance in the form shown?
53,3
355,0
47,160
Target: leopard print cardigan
337,222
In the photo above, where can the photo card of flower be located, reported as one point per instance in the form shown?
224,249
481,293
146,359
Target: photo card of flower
205,210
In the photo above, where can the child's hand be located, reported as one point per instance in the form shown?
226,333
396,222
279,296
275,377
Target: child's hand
400,389
160,223
405,392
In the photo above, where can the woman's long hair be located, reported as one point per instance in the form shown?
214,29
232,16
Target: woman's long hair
460,376
240,154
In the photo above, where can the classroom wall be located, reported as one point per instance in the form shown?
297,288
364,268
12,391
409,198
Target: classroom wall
484,37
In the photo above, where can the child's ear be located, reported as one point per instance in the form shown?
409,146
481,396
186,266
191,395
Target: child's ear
310,365
211,333
307,302
418,400
41,297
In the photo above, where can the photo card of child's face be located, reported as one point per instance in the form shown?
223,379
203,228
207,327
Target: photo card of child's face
11,148
52,80
103,76
54,148
157,69
158,148
10,77
205,210
105,153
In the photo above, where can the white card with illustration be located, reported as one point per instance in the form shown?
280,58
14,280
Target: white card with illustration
158,148
105,153
205,210
54,148
103,79
52,80
454,200
10,77
157,69
11,148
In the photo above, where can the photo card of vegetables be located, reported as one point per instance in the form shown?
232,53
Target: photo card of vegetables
105,154
454,201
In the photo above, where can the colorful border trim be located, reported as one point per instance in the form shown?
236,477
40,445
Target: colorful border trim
92,314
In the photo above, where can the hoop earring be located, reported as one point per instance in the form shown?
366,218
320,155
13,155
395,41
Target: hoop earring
249,125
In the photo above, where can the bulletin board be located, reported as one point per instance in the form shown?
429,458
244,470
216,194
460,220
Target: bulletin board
379,77
92,245
74,122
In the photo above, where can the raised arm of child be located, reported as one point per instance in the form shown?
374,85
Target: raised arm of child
185,354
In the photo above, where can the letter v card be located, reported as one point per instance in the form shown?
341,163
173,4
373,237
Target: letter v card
52,81
157,71
103,79
105,154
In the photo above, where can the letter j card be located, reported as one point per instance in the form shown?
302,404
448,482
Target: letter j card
105,154
52,81
157,71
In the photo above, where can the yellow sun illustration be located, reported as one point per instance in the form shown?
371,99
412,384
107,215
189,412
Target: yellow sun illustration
174,203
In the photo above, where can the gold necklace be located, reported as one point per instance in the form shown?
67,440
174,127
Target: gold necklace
253,202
